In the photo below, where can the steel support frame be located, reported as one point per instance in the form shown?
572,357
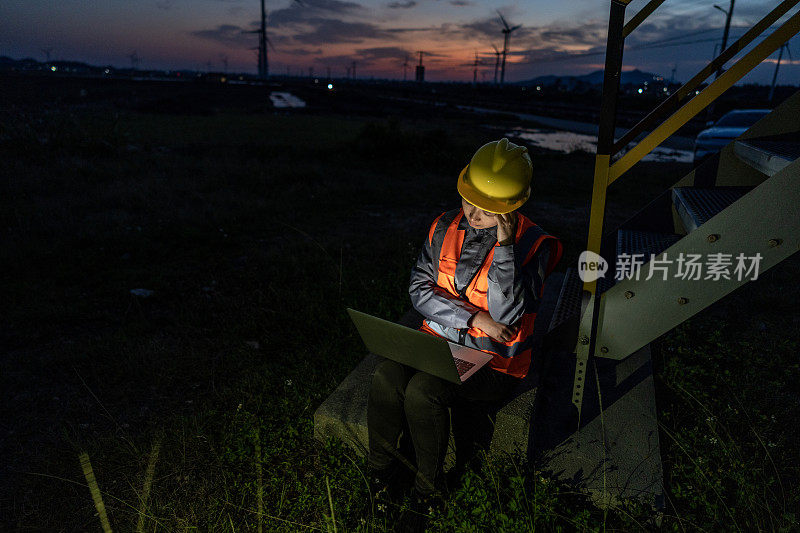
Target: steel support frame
626,324
605,173
737,71
672,103
605,141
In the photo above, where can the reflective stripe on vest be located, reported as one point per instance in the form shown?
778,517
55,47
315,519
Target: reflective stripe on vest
512,357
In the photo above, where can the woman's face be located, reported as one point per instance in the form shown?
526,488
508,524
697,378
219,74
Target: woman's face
478,218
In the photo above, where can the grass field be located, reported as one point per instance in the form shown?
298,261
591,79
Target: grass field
254,231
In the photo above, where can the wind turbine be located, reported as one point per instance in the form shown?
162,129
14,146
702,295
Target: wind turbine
496,62
506,33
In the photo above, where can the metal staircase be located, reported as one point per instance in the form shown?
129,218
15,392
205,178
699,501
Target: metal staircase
736,210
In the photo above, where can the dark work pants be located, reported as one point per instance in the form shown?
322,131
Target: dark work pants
400,394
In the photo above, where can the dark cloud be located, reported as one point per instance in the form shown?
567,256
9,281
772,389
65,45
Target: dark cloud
333,31
461,3
368,57
298,13
382,52
401,5
304,52
229,35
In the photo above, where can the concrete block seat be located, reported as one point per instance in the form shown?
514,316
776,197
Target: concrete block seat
505,429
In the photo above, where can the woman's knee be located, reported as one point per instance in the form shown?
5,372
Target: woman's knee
389,376
424,389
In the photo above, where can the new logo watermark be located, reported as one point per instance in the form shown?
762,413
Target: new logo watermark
714,267
591,266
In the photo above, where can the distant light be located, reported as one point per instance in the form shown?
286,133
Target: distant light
223,79
538,87
330,86
53,68
107,71
665,89
697,92
645,83
316,80
641,90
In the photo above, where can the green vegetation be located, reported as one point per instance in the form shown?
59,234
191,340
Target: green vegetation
254,232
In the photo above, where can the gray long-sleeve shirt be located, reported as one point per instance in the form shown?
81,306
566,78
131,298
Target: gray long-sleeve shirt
513,289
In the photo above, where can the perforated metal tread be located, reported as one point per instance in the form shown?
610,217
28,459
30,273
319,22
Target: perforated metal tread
769,155
644,242
569,299
696,205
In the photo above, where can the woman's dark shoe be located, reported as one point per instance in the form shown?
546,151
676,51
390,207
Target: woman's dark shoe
421,508
387,486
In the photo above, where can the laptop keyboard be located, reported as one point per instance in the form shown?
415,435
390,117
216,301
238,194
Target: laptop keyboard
462,366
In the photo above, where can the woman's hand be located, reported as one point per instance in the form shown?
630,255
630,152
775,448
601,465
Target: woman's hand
506,225
484,322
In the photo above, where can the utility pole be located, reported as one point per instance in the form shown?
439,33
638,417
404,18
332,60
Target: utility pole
224,60
329,72
777,66
728,16
354,70
47,52
405,67
475,70
718,73
310,72
420,70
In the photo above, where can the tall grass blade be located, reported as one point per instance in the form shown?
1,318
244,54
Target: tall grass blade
88,473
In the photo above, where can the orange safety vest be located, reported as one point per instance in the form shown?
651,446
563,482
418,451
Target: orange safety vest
514,356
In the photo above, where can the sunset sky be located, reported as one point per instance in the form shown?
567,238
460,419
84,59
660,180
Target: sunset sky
556,37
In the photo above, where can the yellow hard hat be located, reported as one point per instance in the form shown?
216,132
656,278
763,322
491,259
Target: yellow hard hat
498,178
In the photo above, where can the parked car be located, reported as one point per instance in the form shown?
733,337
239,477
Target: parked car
726,129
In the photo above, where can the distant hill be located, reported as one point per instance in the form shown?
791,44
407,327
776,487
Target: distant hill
633,77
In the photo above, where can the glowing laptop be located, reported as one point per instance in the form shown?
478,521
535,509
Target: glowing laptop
434,355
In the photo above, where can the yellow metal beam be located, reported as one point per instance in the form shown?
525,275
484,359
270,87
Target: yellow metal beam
674,100
639,17
737,71
597,212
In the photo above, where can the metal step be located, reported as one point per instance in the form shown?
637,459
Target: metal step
697,205
569,299
644,242
769,155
